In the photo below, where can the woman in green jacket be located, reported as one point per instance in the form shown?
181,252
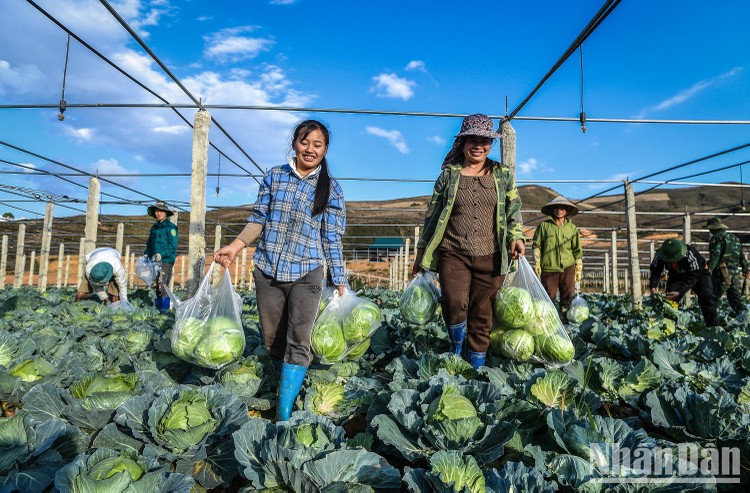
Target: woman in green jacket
472,227
557,251
162,247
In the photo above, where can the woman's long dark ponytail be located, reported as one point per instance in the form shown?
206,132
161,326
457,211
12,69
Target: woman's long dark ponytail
323,188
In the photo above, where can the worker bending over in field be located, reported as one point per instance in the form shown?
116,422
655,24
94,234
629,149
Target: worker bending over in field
686,270
727,264
104,278
557,252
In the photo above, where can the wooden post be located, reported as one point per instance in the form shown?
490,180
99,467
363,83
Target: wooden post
60,255
32,264
132,270
635,261
20,258
81,259
182,272
615,279
197,230
3,261
217,245
46,245
390,280
686,237
92,217
173,219
243,275
250,275
67,269
126,265
118,240
406,262
651,250
508,146
605,275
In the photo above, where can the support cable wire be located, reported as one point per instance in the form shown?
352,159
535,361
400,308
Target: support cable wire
128,76
83,173
667,182
582,115
606,9
166,70
676,167
300,109
63,105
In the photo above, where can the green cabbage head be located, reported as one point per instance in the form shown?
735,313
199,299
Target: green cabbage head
361,321
514,307
578,313
186,421
517,344
454,415
545,319
327,339
555,349
418,304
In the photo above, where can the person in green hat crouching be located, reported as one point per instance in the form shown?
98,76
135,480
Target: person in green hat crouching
727,264
104,277
686,270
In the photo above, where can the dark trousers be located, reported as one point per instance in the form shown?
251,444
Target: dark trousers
468,288
287,312
704,290
564,281
164,277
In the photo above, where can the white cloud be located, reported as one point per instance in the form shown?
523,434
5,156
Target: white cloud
416,65
436,139
21,79
172,129
688,93
283,2
81,134
393,86
111,166
615,177
393,137
527,166
205,18
231,45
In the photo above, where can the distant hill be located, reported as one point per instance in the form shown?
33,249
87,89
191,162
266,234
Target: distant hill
398,217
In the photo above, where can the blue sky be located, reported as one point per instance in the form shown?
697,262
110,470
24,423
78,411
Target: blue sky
656,60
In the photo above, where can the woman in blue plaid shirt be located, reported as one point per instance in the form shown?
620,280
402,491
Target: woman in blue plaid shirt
299,218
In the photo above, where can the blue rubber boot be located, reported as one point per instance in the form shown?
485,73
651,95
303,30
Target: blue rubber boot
162,303
292,377
476,359
457,335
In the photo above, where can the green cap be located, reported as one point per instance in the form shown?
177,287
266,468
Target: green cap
101,273
715,224
673,250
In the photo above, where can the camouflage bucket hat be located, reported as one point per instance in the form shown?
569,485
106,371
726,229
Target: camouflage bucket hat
673,250
477,124
159,206
715,223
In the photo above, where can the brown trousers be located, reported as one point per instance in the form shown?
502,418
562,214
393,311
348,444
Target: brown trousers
564,281
287,312
468,288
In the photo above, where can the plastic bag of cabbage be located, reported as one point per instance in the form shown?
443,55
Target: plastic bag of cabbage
527,326
343,329
419,302
208,329
578,311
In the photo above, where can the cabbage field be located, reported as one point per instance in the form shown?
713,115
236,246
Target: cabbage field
93,400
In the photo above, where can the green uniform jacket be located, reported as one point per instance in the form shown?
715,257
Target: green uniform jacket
725,247
560,245
508,214
162,240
